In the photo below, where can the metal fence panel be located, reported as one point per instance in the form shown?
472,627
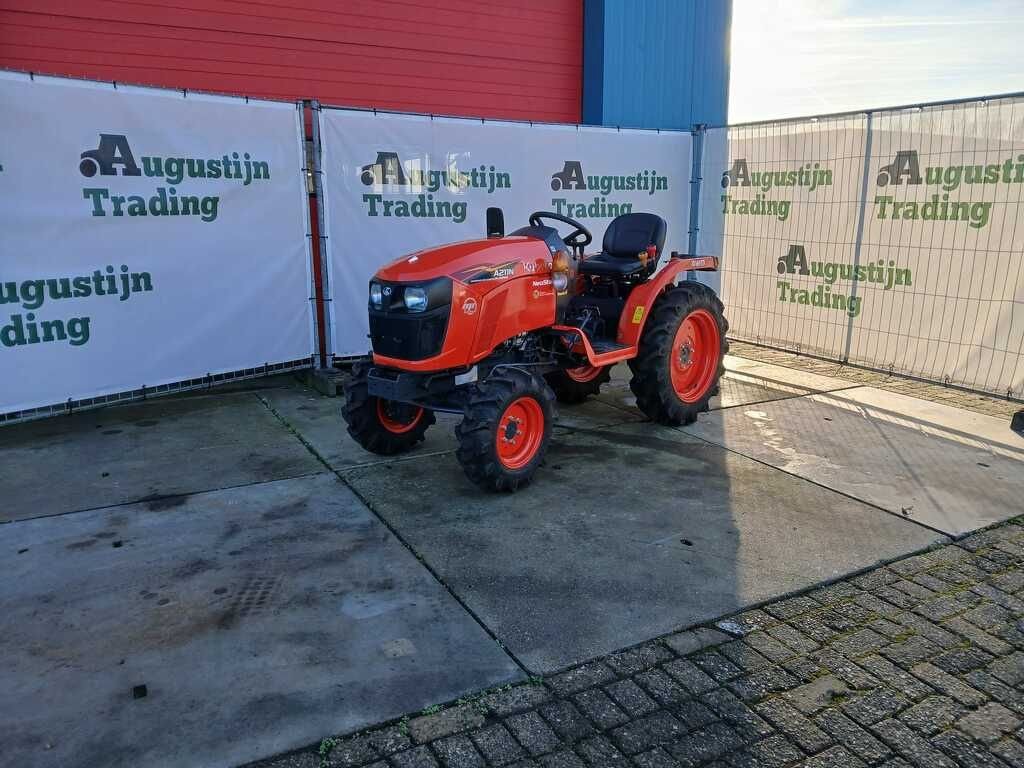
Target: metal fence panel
888,239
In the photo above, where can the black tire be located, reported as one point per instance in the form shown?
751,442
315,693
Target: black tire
569,390
362,412
488,404
652,373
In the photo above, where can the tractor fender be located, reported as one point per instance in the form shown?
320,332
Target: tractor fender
641,299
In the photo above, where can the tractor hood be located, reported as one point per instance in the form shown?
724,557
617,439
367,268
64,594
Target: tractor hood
472,261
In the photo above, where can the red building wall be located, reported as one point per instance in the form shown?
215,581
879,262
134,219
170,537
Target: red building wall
491,58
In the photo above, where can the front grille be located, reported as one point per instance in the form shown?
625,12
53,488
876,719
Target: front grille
409,335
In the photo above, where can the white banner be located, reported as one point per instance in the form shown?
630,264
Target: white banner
399,183
146,237
944,243
935,288
776,197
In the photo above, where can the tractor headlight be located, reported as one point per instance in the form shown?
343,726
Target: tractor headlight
560,280
376,295
415,299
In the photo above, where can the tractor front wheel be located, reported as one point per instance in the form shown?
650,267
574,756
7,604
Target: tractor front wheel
681,356
505,430
385,427
574,385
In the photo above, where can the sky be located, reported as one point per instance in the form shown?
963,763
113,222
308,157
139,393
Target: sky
804,57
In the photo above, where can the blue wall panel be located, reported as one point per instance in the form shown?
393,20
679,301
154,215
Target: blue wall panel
656,63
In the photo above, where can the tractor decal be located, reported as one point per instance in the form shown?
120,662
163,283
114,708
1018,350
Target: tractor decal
484,272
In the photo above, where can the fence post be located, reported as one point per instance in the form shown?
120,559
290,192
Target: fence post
326,360
859,237
695,186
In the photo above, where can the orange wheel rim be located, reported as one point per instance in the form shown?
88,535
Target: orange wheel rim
520,432
694,358
393,420
584,373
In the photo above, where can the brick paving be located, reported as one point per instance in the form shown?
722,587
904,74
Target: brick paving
918,663
990,405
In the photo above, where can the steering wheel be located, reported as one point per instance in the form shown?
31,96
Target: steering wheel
578,239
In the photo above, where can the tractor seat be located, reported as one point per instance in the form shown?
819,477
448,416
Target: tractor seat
625,237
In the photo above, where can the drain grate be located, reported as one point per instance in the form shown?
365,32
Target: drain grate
255,596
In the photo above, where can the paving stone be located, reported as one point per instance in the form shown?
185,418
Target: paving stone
793,724
661,687
978,636
886,628
835,593
768,646
631,697
913,590
836,757
694,640
533,733
812,627
914,748
803,669
655,758
389,740
601,710
986,615
746,622
420,757
716,665
996,689
563,759
876,605
518,699
960,661
356,750
817,694
581,678
1009,751
793,638
845,617
688,675
896,678
934,714
773,752
454,720
879,704
744,720
928,629
692,714
458,752
891,595
949,685
852,736
598,751
743,656
708,743
967,754
912,565
1000,598
943,607
638,659
1009,669
760,684
566,720
989,723
794,606
854,675
872,580
859,643
1009,582
497,745
646,732
911,651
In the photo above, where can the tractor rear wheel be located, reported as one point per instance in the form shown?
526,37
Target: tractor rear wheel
505,430
574,385
385,427
681,357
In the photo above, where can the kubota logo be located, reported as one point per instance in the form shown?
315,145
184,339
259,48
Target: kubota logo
114,156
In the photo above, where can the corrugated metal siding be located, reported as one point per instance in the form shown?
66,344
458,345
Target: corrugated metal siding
666,62
469,57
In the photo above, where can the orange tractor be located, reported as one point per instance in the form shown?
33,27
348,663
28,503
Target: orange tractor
497,329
